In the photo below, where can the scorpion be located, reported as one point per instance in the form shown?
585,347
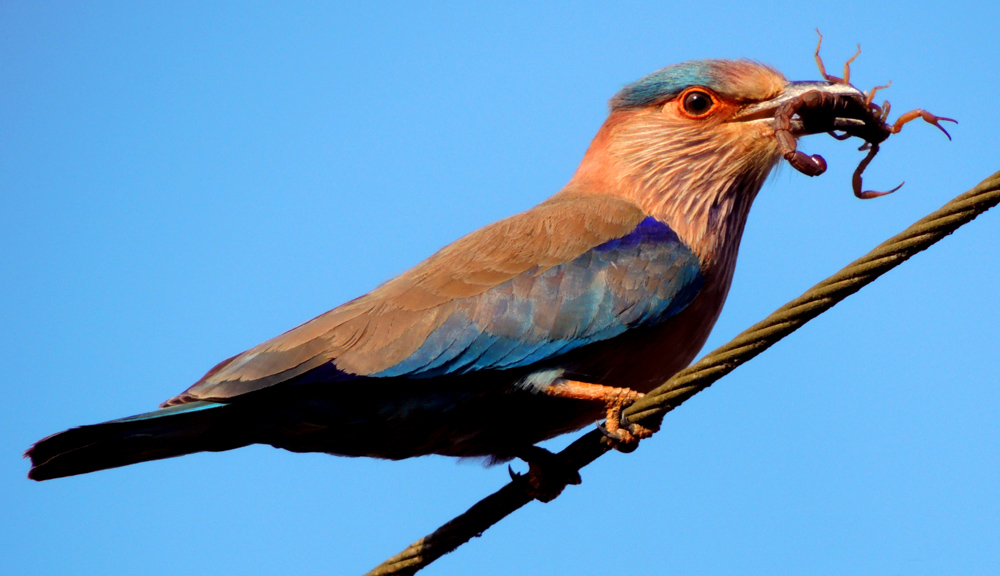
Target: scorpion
858,116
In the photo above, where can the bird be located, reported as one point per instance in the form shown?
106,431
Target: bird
536,325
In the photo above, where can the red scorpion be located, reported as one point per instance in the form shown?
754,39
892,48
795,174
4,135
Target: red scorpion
872,126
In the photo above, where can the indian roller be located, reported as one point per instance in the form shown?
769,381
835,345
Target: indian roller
536,325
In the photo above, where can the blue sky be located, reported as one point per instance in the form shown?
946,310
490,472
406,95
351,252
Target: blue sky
180,181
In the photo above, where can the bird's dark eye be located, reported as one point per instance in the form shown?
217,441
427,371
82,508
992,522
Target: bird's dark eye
697,102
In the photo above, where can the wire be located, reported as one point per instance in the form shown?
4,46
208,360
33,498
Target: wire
651,409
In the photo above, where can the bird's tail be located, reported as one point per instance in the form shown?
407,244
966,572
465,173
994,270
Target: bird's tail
165,433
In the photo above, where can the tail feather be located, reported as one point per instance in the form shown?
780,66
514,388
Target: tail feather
174,431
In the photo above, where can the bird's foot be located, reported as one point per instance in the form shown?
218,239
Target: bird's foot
547,476
622,435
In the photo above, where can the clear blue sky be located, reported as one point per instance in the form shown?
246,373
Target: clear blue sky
180,181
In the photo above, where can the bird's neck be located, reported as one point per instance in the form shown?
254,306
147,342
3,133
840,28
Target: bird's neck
709,216
700,183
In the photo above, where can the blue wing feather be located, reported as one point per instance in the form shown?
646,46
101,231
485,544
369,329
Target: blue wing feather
640,279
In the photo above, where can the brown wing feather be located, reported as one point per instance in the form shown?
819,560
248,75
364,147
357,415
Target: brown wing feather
385,326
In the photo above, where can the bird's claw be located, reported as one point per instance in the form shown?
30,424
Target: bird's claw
547,476
622,440
622,435
515,476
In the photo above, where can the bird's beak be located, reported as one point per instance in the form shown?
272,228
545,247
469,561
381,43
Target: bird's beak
844,109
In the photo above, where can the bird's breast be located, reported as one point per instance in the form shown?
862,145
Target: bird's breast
644,358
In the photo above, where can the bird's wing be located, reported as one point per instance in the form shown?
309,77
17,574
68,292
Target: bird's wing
569,272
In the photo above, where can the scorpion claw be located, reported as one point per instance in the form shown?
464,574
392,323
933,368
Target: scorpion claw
813,165
809,165
926,116
937,121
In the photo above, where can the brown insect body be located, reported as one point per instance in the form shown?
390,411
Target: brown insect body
851,113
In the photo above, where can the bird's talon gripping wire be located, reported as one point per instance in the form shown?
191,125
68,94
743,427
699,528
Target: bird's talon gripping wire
621,440
547,476
621,434
515,476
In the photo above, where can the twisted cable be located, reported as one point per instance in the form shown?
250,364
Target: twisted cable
654,406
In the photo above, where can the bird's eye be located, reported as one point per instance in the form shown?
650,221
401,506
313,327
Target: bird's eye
697,103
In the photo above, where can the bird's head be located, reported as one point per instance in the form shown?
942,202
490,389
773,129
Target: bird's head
693,143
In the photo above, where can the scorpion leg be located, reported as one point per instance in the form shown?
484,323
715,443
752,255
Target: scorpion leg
856,180
847,65
920,113
819,61
871,95
886,106
822,69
